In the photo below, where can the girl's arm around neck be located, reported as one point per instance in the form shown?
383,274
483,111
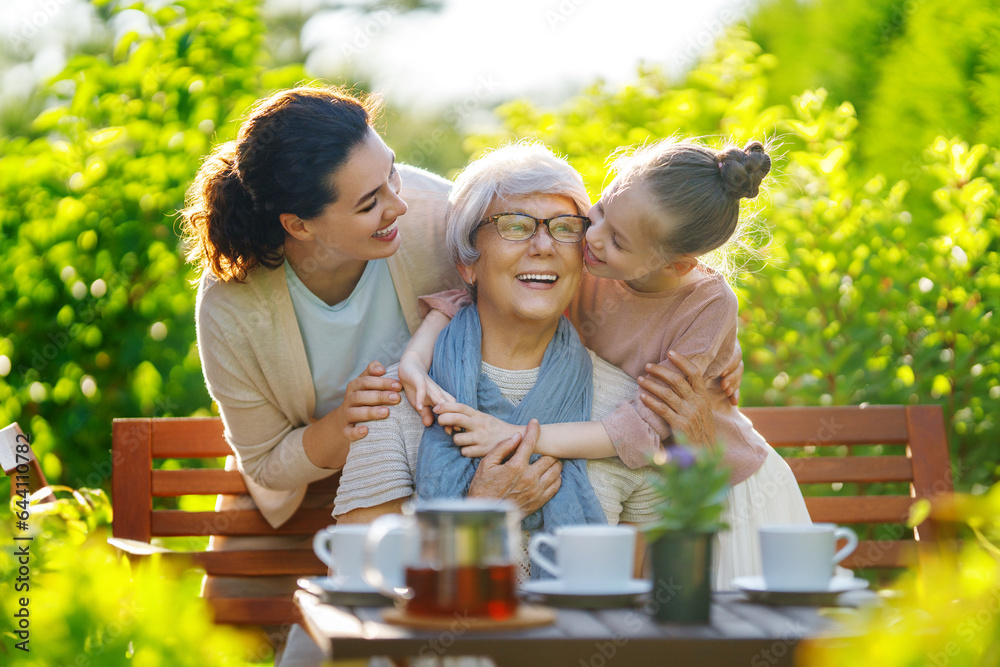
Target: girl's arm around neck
477,433
421,391
576,440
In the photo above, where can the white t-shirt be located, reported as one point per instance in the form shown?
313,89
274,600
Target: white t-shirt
342,339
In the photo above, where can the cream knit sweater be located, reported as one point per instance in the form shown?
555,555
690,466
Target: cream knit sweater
255,362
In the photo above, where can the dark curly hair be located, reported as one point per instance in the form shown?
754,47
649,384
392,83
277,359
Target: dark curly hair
280,162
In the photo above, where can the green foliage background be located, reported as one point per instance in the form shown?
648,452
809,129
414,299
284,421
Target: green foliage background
880,287
88,605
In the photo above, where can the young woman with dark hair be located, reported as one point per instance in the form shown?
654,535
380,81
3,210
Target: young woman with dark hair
311,269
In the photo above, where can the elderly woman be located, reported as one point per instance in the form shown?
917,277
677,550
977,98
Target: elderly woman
513,352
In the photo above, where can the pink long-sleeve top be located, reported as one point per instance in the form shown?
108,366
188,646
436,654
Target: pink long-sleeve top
697,320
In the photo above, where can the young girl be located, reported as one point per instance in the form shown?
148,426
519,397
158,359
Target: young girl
647,298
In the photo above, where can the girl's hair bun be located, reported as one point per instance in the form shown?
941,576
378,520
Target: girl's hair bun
743,170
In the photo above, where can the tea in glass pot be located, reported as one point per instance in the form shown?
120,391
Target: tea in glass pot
464,561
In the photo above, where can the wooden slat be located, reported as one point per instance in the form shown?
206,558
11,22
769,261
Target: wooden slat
580,623
131,492
173,523
256,611
770,621
882,553
931,461
731,625
208,481
189,438
823,469
859,509
212,481
840,425
263,563
249,563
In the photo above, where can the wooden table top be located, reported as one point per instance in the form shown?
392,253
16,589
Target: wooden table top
740,632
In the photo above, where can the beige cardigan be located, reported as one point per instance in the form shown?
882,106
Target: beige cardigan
255,362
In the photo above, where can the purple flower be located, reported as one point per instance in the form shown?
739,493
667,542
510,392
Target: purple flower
681,456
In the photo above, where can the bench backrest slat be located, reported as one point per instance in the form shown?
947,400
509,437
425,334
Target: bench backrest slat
198,482
859,509
175,523
261,563
213,481
831,469
840,425
189,438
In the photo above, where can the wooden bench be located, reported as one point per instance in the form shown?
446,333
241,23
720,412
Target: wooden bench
826,450
802,434
137,443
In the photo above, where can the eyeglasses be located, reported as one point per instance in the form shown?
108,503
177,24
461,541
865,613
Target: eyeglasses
521,226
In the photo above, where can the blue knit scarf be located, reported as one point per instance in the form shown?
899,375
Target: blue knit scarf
563,393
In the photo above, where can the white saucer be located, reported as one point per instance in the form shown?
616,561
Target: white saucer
336,585
332,591
837,585
559,587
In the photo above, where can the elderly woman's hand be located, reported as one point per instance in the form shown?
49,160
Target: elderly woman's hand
682,400
477,433
506,472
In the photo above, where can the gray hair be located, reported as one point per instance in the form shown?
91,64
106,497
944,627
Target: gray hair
518,169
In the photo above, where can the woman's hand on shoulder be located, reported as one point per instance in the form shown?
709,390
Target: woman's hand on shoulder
328,440
477,433
367,398
421,391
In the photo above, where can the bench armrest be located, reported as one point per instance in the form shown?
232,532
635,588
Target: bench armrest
137,548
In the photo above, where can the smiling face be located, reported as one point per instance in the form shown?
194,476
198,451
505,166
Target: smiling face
619,246
361,223
525,281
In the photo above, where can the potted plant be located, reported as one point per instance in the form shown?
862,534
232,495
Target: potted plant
692,485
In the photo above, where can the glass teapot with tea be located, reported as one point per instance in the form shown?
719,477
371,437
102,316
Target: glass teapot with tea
463,557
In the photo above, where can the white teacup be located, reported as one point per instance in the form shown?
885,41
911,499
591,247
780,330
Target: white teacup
342,548
800,557
591,559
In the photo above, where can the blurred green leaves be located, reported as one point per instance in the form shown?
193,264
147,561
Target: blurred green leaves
89,605
944,612
98,317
